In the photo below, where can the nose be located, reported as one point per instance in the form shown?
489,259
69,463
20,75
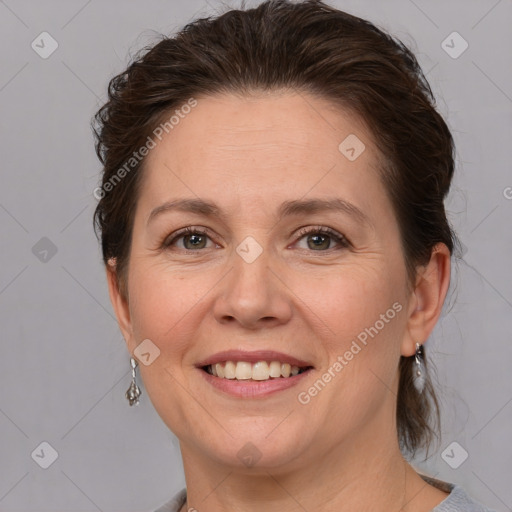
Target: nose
253,294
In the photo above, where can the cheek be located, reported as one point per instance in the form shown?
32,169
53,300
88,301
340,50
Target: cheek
160,304
348,302
360,322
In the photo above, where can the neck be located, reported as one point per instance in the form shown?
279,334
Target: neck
367,473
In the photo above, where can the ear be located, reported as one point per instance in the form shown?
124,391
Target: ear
119,303
427,299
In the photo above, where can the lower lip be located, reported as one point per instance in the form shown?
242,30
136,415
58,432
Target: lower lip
253,388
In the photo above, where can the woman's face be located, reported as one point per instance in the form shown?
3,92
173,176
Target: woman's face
264,279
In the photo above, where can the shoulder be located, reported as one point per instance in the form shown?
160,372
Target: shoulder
174,504
457,501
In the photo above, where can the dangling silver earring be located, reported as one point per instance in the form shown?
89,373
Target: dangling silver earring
133,392
419,369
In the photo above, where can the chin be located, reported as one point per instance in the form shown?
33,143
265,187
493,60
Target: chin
258,449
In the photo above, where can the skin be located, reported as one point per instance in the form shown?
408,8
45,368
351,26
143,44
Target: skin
248,154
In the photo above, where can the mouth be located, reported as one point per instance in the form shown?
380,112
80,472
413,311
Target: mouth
257,374
258,371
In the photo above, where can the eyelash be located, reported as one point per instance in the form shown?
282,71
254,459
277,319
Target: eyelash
322,230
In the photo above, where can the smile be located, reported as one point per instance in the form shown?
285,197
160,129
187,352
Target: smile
258,371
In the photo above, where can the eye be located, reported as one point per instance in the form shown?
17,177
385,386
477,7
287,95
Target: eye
320,238
193,238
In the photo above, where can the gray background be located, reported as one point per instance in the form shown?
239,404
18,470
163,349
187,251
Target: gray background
64,366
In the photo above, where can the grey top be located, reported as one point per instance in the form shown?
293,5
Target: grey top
457,501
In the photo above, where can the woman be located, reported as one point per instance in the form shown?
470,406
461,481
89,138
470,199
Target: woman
277,253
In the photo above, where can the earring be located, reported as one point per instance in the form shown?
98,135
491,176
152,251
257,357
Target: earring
133,392
420,369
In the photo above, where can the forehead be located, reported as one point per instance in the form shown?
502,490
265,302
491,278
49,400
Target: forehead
264,147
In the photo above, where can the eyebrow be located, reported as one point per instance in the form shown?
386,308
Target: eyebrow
287,208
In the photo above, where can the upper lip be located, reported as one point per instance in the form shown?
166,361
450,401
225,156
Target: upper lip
253,357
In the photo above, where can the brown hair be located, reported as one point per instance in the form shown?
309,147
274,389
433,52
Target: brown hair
307,46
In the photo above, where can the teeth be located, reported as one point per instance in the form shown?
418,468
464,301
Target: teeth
262,370
219,371
243,370
230,370
275,369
